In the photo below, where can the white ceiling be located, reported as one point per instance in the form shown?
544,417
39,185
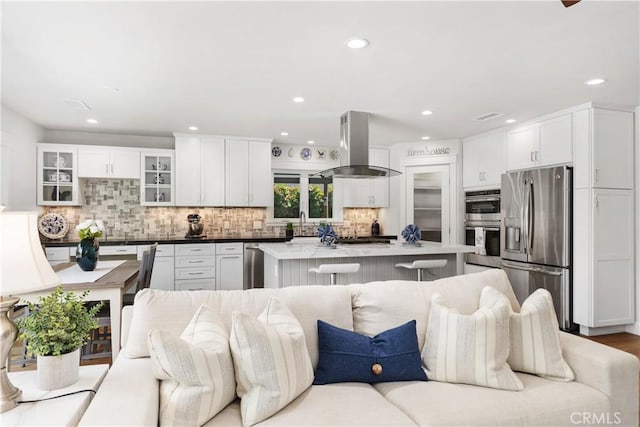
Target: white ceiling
233,68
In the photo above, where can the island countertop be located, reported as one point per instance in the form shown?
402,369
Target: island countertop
311,248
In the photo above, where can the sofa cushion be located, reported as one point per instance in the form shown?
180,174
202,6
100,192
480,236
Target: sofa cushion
470,349
172,310
271,361
535,339
332,405
347,356
378,306
196,370
541,403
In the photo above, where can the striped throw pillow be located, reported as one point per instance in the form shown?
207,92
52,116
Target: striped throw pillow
470,349
272,363
195,369
535,339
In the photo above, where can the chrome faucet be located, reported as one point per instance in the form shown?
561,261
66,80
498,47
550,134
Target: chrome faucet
303,218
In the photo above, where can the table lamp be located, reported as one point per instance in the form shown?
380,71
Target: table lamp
23,268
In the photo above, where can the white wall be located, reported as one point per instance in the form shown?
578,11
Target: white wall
18,160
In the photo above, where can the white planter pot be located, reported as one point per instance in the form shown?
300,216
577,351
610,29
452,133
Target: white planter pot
58,371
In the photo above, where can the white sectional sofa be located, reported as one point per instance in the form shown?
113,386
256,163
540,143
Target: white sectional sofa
605,389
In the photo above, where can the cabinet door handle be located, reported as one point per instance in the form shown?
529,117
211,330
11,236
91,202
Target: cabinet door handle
196,250
121,250
229,256
229,249
196,274
596,201
195,262
532,153
595,175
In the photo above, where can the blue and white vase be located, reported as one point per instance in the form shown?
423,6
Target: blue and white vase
327,235
411,234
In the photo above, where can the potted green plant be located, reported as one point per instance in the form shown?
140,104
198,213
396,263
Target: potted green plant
289,230
55,329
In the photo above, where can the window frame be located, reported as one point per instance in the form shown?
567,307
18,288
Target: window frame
304,199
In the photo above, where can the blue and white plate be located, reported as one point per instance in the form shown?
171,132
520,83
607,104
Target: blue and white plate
305,153
276,151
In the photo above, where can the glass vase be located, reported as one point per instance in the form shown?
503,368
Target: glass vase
87,254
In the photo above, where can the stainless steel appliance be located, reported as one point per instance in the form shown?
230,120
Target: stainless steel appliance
253,266
482,227
535,239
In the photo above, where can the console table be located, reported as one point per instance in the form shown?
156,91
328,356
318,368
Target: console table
62,411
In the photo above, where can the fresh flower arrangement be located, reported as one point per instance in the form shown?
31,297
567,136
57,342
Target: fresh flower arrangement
90,229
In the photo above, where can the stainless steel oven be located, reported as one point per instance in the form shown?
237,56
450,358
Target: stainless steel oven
482,227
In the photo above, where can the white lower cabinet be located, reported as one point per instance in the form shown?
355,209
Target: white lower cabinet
195,266
229,266
57,255
162,272
603,283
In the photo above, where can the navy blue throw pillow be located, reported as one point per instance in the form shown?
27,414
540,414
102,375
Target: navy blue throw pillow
347,356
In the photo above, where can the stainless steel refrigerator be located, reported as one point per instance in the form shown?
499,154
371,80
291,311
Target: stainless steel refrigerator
535,238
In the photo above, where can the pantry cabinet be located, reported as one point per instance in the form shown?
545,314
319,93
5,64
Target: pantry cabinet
483,161
103,162
57,179
603,283
545,143
603,154
248,180
368,193
200,170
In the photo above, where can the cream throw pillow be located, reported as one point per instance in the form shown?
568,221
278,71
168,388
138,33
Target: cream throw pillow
272,363
470,349
195,369
535,339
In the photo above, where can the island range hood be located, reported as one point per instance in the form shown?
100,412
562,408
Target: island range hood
354,141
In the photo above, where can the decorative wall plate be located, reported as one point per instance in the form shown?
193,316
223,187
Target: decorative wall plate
334,154
290,152
53,225
320,154
276,151
305,153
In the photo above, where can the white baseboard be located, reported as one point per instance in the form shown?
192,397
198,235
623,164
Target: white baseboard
634,328
604,330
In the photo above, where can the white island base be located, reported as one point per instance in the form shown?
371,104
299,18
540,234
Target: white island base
288,264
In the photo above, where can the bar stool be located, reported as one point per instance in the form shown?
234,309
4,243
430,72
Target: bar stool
421,264
334,269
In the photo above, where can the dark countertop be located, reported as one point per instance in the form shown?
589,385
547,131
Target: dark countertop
169,240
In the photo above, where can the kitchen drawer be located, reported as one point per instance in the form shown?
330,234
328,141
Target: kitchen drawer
198,249
195,261
194,273
229,248
58,253
112,250
161,250
195,285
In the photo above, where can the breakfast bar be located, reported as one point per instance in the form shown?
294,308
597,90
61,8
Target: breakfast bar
288,264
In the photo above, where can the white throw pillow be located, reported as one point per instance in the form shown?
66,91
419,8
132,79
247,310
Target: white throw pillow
535,339
196,370
470,349
272,363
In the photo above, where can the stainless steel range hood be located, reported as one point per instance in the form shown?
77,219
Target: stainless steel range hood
354,145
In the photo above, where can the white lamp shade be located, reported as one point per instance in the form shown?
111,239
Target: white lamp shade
23,266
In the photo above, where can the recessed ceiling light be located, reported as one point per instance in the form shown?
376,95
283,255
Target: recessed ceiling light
427,113
311,142
425,138
284,133
357,43
510,121
594,82
92,121
298,99
193,127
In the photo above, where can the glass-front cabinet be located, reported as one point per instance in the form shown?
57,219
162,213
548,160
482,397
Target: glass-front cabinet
58,175
157,178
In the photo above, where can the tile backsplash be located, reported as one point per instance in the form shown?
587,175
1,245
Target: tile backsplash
117,203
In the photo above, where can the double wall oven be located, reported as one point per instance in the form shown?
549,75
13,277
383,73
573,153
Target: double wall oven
482,227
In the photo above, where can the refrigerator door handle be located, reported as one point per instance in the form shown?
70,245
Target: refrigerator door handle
530,213
532,269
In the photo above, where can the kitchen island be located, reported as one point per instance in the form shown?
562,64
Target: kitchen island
288,264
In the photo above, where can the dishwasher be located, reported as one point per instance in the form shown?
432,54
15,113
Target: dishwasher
253,266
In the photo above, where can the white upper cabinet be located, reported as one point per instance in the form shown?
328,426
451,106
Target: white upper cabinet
248,180
58,175
157,178
103,162
200,172
548,142
603,148
483,161
368,193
